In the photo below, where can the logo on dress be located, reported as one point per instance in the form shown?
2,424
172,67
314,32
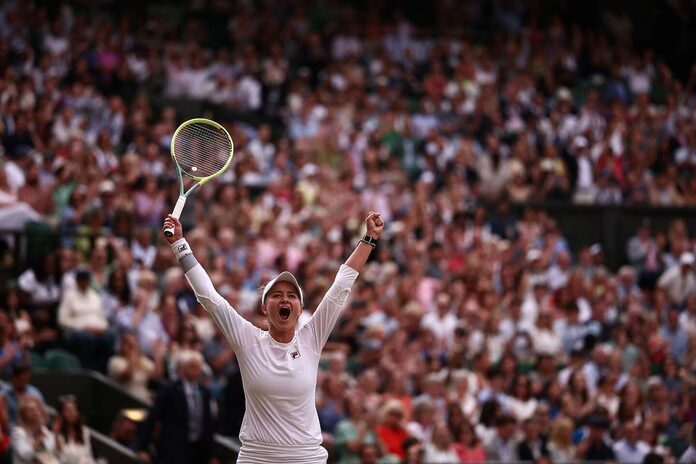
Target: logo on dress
295,354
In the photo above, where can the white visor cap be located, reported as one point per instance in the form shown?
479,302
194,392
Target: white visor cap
284,276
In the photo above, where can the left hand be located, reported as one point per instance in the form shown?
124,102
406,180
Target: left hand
375,224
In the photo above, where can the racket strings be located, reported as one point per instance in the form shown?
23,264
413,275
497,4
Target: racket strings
201,150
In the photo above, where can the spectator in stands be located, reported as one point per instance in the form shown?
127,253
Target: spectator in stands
594,446
533,446
552,111
133,370
81,316
630,449
32,441
560,446
356,430
689,456
124,431
184,413
391,431
503,445
19,388
72,436
468,446
439,448
643,254
679,281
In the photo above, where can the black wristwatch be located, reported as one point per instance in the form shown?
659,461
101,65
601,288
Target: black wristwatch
369,240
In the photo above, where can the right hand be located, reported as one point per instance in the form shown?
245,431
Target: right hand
172,222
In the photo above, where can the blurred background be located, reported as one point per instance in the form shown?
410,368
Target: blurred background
533,297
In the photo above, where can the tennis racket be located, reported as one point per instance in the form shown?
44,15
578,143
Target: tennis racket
202,150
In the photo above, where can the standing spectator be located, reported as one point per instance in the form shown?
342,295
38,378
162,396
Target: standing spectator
72,437
81,316
32,442
679,281
643,254
183,410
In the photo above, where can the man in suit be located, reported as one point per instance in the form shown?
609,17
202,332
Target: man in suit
183,412
533,447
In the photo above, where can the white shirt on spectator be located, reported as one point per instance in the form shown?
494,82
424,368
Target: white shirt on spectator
545,341
149,329
441,327
81,310
434,454
249,90
630,453
677,284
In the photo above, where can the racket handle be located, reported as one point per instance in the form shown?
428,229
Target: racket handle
178,208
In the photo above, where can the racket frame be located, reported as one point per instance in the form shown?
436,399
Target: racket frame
181,201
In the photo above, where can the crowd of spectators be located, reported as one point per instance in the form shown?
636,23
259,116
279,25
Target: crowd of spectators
474,333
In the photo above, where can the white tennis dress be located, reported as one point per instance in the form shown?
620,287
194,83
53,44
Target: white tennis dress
281,422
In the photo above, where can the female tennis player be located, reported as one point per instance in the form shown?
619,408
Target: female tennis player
278,366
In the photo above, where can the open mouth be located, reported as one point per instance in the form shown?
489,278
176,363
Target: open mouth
284,313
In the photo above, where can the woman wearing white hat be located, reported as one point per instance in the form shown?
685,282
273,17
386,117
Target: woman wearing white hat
279,367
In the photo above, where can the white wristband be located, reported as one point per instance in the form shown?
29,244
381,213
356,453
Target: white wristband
181,248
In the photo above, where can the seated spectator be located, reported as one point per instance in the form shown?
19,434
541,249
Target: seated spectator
330,403
439,448
594,446
560,446
5,431
133,370
40,284
503,446
73,443
468,446
630,448
391,431
354,431
142,319
81,316
12,351
32,442
422,419
533,446
679,281
124,431
19,388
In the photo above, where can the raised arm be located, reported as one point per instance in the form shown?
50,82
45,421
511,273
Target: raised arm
329,310
238,331
375,226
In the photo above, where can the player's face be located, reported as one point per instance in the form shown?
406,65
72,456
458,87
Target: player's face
283,306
